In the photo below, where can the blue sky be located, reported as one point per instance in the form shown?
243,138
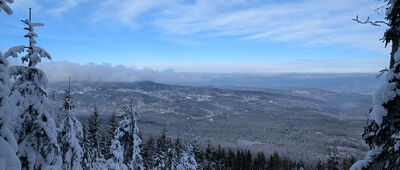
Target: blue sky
206,35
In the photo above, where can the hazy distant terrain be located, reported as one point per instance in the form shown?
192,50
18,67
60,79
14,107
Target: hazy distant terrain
365,83
297,122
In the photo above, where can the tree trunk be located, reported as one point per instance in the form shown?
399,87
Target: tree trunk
395,46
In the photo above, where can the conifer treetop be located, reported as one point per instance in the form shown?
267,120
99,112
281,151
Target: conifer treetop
35,53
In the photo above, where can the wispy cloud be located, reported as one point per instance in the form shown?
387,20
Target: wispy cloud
128,11
64,6
310,21
25,4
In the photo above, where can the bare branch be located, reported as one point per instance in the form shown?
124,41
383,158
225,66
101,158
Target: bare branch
383,71
374,23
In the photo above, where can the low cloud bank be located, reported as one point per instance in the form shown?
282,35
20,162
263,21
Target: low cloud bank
60,71
352,82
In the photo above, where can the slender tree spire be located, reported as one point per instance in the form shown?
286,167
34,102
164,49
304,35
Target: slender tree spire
70,135
35,128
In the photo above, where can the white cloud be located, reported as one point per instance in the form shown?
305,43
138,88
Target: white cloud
308,21
64,6
311,22
128,10
25,4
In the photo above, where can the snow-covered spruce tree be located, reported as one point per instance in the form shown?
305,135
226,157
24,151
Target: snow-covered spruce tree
160,157
137,161
8,144
187,162
35,129
85,143
149,152
382,133
172,159
116,162
95,141
5,7
333,159
128,135
70,136
112,126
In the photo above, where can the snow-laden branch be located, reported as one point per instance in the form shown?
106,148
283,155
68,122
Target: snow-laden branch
374,23
13,52
35,55
5,7
362,164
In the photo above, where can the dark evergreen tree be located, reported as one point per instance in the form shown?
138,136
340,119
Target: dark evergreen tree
238,160
347,162
172,160
85,143
230,159
95,140
112,126
332,163
161,151
149,153
198,153
333,160
382,133
274,162
178,147
209,162
260,162
248,160
300,164
218,157
320,165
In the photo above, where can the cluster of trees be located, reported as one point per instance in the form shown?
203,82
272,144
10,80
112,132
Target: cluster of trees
119,146
163,152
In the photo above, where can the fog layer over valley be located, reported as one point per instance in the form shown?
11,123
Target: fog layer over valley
302,123
365,83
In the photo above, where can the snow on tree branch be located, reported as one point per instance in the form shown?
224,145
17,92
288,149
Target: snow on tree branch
35,57
5,7
13,52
